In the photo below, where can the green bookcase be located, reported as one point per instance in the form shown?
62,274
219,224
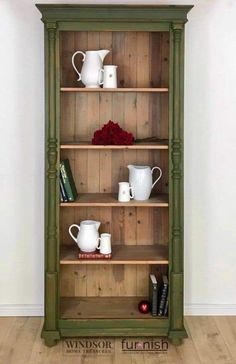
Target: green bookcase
87,298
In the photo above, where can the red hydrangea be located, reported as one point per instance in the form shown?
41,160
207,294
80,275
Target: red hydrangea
112,134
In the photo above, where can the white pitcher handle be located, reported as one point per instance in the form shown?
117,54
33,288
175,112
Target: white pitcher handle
73,63
73,237
99,243
131,192
100,76
157,177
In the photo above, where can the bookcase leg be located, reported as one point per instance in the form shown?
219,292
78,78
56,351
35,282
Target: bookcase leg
50,337
176,341
50,341
176,336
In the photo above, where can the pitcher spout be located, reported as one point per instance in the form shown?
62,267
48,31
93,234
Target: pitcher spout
130,166
102,53
97,223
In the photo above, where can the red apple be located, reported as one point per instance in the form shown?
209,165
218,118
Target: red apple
144,306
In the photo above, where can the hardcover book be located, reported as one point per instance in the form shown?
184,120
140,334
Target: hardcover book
153,294
166,308
163,295
62,190
61,197
68,180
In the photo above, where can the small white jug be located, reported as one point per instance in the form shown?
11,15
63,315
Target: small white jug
109,77
125,192
105,243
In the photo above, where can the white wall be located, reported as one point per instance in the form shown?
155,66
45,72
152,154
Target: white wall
210,157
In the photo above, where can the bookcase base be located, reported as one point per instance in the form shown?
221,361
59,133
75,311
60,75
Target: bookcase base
50,337
81,328
176,336
117,327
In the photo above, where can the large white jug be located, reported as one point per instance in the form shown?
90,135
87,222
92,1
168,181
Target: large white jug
140,179
91,74
87,237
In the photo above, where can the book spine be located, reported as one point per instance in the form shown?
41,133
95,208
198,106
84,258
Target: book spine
166,308
163,300
62,189
61,196
68,180
153,297
154,301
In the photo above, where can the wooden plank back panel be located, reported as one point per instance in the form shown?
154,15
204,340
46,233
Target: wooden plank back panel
101,280
68,281
161,226
67,218
130,123
155,58
144,222
121,279
160,160
67,48
118,55
164,124
68,131
92,110
130,59
118,236
70,42
138,56
165,45
142,60
100,171
105,42
81,116
148,224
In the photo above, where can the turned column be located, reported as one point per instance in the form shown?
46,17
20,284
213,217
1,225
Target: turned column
51,185
176,168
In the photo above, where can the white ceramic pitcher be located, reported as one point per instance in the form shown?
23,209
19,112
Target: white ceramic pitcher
91,74
140,179
87,237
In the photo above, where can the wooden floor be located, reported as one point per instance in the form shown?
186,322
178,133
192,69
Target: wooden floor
211,340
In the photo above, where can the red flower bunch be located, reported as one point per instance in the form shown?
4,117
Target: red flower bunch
112,134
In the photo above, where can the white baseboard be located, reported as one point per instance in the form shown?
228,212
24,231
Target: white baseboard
189,310
21,310
203,309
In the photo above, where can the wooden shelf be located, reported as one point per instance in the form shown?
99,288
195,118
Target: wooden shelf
102,307
110,199
87,145
121,254
133,89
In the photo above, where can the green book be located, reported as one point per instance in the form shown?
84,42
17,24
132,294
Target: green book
68,180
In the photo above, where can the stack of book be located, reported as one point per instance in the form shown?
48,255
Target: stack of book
158,294
94,255
68,192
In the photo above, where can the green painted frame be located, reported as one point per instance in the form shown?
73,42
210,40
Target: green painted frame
58,18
